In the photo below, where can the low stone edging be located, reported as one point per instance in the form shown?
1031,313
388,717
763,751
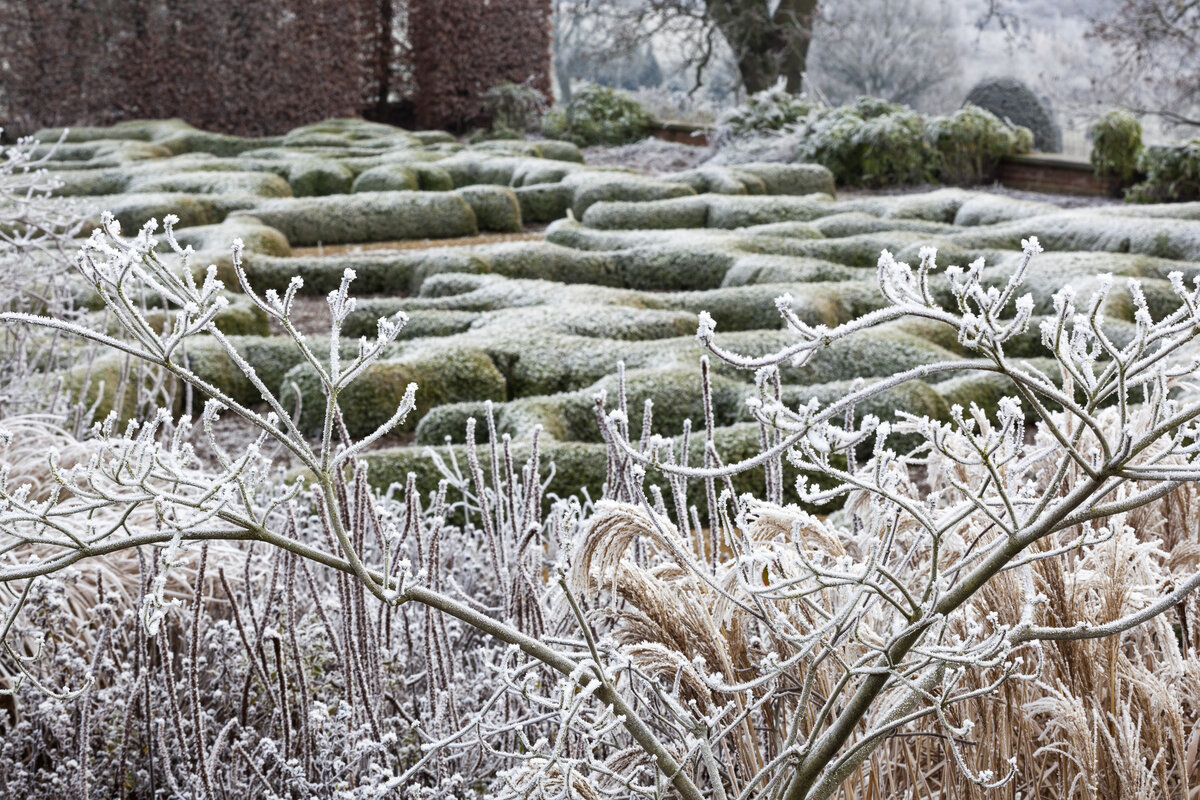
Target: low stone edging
681,132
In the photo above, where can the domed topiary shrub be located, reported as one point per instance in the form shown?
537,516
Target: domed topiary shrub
1116,144
885,147
968,144
598,115
1013,101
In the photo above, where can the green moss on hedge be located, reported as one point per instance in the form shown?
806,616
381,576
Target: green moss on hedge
368,217
496,207
315,177
452,375
544,202
263,184
387,178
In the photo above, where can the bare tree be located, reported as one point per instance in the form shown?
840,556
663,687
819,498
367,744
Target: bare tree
906,51
585,37
769,41
1157,44
1139,54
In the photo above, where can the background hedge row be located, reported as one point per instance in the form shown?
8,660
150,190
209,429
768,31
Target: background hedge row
264,66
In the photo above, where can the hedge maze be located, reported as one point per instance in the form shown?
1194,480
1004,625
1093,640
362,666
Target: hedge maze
608,299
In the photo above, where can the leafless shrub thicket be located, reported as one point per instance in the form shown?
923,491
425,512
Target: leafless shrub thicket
35,276
1009,599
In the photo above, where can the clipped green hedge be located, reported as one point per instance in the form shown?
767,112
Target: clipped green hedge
1116,145
598,115
1172,174
134,209
387,178
873,142
316,177
368,217
967,145
496,207
449,376
263,184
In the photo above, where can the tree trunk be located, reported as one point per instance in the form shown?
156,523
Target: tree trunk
767,46
562,73
384,55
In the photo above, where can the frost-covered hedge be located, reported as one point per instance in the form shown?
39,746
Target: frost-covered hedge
1015,102
598,115
771,110
867,144
1172,174
968,144
1116,144
871,142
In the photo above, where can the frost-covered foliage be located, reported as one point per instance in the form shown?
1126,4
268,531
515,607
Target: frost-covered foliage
873,142
598,115
514,108
230,669
870,143
1172,174
35,231
763,112
278,672
273,634
1116,144
968,144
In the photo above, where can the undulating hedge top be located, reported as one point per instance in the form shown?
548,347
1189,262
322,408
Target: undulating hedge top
538,327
